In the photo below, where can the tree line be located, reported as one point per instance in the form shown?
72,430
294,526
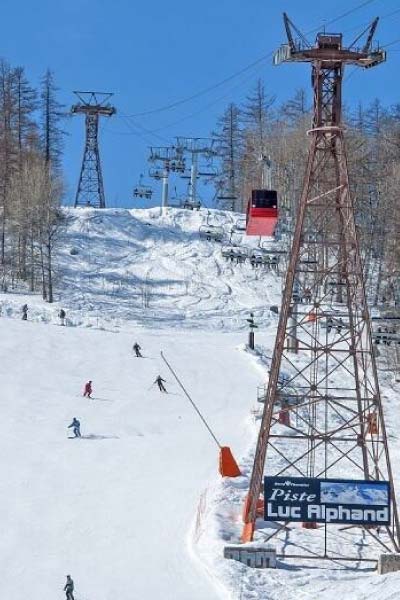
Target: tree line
262,127
31,184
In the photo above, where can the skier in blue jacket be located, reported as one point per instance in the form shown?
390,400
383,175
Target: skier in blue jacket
76,427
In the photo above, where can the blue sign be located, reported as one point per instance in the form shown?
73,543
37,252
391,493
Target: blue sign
302,499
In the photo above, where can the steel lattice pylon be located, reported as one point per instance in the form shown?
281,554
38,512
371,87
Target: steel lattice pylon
90,190
323,414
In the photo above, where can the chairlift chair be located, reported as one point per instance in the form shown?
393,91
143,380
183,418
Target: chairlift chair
230,200
142,190
240,224
211,233
177,165
386,330
237,253
191,204
155,173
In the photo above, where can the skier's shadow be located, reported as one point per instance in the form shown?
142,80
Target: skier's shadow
92,436
96,399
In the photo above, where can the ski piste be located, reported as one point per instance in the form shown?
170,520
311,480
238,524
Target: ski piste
93,497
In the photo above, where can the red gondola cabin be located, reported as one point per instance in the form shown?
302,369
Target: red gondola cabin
262,213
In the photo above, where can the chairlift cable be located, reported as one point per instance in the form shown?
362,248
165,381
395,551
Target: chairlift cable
132,131
130,123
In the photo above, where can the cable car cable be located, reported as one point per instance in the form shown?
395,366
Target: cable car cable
201,110
238,73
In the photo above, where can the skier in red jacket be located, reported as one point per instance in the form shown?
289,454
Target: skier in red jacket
88,389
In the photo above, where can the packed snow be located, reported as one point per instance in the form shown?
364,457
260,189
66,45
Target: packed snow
136,509
113,508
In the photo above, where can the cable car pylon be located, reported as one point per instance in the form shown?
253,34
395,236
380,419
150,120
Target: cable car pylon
323,374
90,190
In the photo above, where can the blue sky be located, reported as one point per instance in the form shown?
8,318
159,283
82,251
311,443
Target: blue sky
151,54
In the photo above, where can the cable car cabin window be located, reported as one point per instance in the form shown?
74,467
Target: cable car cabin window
264,199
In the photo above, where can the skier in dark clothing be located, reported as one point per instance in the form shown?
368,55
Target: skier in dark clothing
137,350
69,588
160,382
329,324
62,315
88,389
25,312
76,427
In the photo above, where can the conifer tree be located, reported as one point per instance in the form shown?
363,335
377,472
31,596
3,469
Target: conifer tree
229,146
295,108
52,113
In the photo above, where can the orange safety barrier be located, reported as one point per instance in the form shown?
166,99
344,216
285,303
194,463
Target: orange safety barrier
311,525
247,533
228,466
372,421
259,508
311,317
284,417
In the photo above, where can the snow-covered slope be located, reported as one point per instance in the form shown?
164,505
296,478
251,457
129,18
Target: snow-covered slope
135,509
157,271
118,265
114,508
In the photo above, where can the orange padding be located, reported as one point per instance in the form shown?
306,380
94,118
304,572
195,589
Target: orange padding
309,525
227,464
372,421
248,532
259,508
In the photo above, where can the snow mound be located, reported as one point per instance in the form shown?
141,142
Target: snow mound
118,264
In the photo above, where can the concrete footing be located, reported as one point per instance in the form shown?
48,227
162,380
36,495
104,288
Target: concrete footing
257,556
388,563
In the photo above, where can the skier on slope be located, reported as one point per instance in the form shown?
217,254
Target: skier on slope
160,382
137,350
88,389
25,312
62,315
76,427
69,588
